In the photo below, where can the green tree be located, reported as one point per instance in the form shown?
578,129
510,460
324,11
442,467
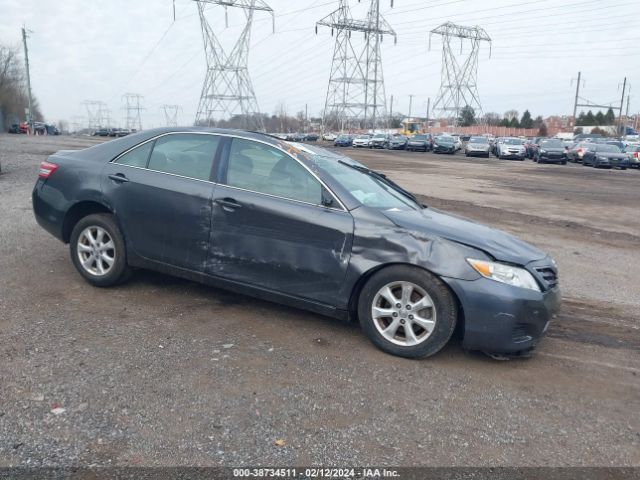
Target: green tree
526,121
514,123
590,119
610,117
600,118
467,116
578,131
582,119
537,123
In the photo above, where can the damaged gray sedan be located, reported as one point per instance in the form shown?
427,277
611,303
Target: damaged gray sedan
299,225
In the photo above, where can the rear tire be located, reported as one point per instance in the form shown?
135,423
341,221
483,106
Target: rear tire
98,250
432,306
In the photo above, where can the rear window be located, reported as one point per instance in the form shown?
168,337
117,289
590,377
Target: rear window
607,148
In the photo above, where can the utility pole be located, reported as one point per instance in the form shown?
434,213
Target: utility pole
410,103
26,64
428,107
133,107
390,112
575,103
624,87
306,117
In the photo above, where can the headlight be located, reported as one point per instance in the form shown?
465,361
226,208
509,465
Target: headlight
543,151
500,272
601,157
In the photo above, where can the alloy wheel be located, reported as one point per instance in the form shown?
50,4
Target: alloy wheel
403,313
96,251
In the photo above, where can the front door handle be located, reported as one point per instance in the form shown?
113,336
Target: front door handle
119,178
228,204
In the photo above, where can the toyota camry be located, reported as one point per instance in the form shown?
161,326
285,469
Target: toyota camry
299,225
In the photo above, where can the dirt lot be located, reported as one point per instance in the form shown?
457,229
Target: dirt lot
162,371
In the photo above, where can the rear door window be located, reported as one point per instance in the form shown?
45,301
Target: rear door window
187,154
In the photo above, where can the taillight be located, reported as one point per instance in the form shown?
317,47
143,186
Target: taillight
635,154
46,169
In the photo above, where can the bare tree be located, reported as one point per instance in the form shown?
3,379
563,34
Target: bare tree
13,94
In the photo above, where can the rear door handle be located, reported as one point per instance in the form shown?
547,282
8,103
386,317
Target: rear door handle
228,204
118,178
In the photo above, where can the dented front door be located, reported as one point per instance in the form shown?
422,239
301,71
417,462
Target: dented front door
279,244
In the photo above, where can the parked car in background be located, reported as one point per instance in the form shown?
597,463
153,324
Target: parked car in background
420,143
397,142
361,141
583,137
444,144
511,148
328,136
101,132
302,226
606,156
457,141
550,150
477,146
633,154
576,153
380,140
343,141
311,137
15,128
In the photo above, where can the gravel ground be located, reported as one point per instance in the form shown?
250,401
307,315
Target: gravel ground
162,371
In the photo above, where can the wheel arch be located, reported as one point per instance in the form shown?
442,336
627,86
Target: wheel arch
77,212
359,285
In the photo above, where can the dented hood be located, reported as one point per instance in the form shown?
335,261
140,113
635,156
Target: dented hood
500,245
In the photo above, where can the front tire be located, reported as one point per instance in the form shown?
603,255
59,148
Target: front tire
407,311
98,250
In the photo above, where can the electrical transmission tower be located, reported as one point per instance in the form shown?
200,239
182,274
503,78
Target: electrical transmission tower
171,114
97,114
355,95
458,85
133,107
227,89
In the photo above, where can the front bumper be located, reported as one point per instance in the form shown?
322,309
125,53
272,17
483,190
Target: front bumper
479,153
444,149
500,318
417,146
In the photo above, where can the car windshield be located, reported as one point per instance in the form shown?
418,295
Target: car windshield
400,138
367,189
380,136
551,143
478,140
343,137
607,148
445,139
419,137
512,141
363,137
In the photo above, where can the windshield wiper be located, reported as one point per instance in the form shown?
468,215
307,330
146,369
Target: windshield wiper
383,178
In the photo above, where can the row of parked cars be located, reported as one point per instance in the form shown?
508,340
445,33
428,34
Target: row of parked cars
39,128
599,152
417,143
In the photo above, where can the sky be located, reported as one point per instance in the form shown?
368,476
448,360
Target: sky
81,50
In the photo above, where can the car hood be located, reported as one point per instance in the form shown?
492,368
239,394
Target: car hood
553,149
498,244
